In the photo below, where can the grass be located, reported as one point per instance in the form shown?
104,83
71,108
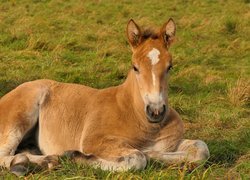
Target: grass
84,42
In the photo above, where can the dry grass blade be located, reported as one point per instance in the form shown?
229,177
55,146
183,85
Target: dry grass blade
239,93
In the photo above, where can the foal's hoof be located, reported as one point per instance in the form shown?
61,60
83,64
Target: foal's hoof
20,165
19,170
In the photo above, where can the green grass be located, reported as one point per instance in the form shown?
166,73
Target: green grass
84,42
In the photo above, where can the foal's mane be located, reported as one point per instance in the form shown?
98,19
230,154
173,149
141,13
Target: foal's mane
148,33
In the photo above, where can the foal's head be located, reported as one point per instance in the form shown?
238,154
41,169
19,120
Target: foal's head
151,64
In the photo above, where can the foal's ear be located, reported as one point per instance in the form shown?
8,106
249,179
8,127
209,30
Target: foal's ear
168,32
133,33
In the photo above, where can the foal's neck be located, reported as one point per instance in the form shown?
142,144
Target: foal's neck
131,100
131,96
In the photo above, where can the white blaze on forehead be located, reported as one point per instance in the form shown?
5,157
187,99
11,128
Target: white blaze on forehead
153,55
153,77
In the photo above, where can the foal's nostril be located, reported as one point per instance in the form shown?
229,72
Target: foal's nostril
149,111
163,109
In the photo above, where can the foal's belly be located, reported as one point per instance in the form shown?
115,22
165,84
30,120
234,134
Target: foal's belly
58,133
62,119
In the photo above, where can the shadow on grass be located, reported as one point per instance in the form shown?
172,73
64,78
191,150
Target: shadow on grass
223,151
227,152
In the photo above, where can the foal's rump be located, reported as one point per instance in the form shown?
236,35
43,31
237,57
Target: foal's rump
21,106
47,104
19,112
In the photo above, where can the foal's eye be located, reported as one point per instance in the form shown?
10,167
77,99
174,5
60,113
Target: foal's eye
135,69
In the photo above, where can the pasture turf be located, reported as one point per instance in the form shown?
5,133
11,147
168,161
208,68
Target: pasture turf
84,42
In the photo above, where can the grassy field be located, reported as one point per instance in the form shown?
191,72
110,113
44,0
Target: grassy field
84,42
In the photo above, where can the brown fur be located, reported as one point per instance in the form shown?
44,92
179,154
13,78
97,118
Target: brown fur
108,126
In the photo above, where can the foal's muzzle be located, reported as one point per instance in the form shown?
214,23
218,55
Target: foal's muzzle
154,114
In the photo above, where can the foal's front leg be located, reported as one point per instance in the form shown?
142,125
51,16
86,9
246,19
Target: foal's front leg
186,151
112,154
134,160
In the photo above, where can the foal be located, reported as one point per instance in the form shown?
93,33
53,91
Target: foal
117,128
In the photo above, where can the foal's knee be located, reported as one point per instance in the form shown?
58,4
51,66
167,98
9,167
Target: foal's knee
134,161
202,151
197,150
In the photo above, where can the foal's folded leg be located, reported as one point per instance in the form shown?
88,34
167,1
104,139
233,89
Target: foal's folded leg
134,160
187,151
